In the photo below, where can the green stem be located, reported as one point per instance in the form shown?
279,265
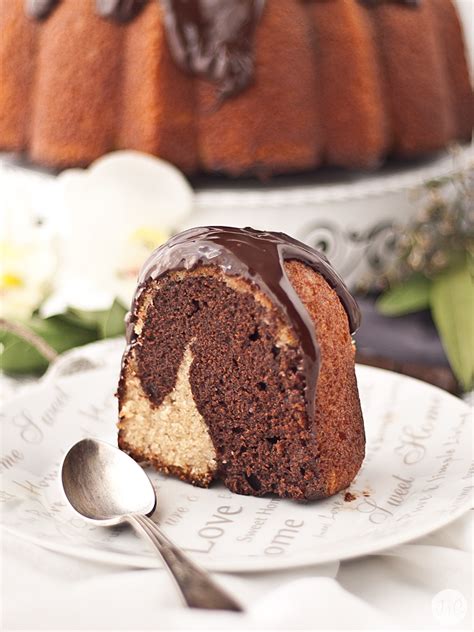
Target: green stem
40,344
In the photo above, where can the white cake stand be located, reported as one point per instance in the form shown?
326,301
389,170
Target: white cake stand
353,217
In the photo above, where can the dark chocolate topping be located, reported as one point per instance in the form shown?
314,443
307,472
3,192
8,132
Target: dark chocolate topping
258,257
119,10
410,3
39,9
214,39
210,38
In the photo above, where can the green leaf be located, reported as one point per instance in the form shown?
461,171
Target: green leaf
112,322
452,306
61,332
437,183
106,323
83,318
18,355
412,296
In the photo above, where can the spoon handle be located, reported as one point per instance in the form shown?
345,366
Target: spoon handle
195,585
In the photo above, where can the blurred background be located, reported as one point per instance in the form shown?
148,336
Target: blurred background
344,123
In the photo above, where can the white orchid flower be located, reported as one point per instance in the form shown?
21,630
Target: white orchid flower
27,256
115,213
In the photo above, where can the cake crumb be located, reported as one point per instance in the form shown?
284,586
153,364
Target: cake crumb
348,497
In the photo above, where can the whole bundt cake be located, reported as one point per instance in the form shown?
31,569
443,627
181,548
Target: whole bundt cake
240,366
236,86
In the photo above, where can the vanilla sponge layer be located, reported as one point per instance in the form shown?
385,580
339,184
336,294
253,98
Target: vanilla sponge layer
174,434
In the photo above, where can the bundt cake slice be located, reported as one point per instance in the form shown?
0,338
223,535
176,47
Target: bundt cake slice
240,366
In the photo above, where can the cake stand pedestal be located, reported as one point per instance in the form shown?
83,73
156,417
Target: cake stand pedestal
354,218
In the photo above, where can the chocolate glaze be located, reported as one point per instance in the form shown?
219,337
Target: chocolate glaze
209,38
410,3
258,257
214,39
119,10
39,9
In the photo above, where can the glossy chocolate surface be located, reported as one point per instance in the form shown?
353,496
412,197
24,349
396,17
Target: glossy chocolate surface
39,9
214,39
410,3
119,10
259,257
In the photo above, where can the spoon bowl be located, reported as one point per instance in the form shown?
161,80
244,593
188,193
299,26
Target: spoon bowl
104,484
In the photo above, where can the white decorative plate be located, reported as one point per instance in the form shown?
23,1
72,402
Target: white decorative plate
416,478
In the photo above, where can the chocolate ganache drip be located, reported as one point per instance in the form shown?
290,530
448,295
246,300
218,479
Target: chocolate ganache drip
210,38
258,257
214,39
373,3
39,9
119,10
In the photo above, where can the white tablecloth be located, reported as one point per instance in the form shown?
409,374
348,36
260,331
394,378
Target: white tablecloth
398,589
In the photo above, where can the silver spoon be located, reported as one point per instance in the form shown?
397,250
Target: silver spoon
107,487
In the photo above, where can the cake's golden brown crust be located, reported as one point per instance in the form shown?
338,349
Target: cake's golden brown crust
353,112
157,99
17,65
449,34
339,425
76,83
274,125
416,88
